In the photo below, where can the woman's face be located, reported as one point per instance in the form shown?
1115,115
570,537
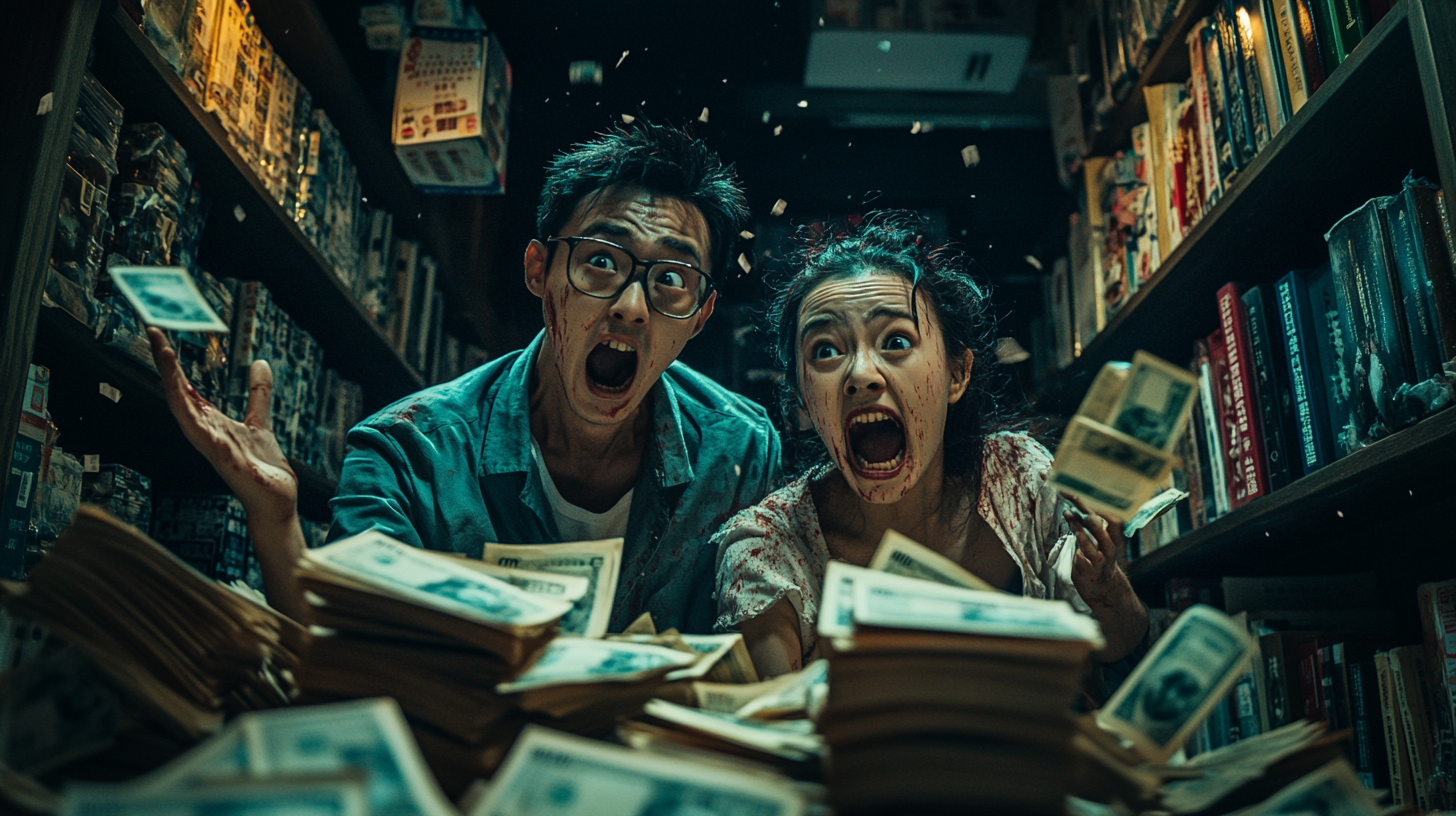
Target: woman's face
876,388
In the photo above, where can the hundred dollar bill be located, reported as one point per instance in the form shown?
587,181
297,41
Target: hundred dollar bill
793,694
560,586
569,661
167,297
1155,402
55,708
409,573
724,659
1109,470
550,772
898,555
599,562
1177,684
1105,391
339,796
1152,508
836,604
907,603
1333,790
790,739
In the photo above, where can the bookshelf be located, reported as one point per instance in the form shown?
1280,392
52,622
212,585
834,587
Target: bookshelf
1389,109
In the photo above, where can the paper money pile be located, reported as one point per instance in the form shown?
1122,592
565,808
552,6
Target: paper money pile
940,695
155,654
1119,447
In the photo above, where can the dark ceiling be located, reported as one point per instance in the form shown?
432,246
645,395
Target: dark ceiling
740,59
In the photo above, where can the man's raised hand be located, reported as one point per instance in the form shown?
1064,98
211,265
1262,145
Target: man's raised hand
245,454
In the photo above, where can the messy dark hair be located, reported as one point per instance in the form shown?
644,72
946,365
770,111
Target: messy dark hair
661,159
894,242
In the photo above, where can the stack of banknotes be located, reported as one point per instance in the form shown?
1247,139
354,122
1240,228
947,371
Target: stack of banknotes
1119,448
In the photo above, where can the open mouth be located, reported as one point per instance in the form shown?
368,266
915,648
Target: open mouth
876,441
611,366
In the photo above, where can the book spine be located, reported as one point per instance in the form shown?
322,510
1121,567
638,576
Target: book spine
1326,669
1196,466
1407,252
1310,51
1446,231
1223,416
1271,387
1335,340
1243,434
1398,762
1432,229
1369,761
1226,163
1235,88
1309,682
1243,17
1203,116
1437,604
1331,54
1351,21
1365,288
1246,706
1306,384
1339,681
1271,66
1404,669
1276,681
1286,14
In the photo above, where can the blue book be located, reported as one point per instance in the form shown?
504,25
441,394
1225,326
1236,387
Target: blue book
1335,338
1246,704
1427,288
1299,328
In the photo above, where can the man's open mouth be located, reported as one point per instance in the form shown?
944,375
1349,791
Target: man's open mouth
611,366
876,441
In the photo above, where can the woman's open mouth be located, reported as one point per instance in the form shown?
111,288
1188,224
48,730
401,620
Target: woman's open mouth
876,442
611,367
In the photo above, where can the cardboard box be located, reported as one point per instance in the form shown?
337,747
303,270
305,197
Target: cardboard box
451,110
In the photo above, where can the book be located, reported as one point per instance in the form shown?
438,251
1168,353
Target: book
1423,269
1263,40
1178,181
422,306
1211,405
1312,441
1349,21
1406,668
1219,76
1236,88
1243,19
1249,473
1335,339
1271,384
1397,757
1198,91
402,293
1056,306
1437,605
1291,54
1365,288
1144,249
1329,49
1088,314
1357,590
1369,743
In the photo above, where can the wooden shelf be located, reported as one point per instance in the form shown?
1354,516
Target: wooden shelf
138,430
1307,526
1356,138
265,245
1168,63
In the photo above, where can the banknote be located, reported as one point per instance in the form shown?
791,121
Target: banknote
790,739
836,604
1177,684
382,563
560,586
1105,391
1109,470
599,562
166,297
724,659
569,660
899,555
551,772
897,602
336,796
1227,769
55,708
1152,508
1155,402
1333,790
793,695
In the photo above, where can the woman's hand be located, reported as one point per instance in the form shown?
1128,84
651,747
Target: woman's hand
1097,574
245,454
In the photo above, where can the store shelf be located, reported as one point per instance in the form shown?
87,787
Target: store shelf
138,430
1168,63
1307,526
247,235
1357,137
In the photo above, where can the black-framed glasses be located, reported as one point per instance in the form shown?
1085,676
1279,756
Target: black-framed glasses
602,269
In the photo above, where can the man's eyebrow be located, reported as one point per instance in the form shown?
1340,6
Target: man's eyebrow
813,324
618,231
605,228
887,311
681,246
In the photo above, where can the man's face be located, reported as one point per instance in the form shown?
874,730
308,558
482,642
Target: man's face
608,353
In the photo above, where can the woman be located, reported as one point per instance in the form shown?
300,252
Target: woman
879,337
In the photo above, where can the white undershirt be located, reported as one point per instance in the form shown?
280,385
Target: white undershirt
576,524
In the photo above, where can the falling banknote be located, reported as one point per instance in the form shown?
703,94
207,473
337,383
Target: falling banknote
1119,447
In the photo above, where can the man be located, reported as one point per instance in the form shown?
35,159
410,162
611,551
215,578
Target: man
593,431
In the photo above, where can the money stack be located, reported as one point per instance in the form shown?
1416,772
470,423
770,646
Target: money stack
434,632
1118,449
176,649
940,695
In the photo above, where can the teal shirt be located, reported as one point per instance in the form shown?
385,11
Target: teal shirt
450,468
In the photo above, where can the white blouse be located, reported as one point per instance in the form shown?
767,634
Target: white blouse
776,548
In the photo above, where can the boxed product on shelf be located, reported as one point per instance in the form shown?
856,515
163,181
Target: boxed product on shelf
208,531
451,106
289,110
188,242
203,356
232,73
120,491
58,495
167,24
341,408
405,267
25,468
148,155
372,288
82,225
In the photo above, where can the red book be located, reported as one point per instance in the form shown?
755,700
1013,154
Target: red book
1223,408
1311,681
1243,437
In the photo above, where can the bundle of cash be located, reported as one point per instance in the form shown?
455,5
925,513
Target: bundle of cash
941,695
150,643
788,744
899,555
1119,447
551,772
597,562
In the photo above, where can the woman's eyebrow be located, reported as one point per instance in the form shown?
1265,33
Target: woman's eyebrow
815,323
887,311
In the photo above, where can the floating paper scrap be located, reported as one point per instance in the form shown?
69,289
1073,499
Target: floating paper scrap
970,155
779,207
703,117
746,235
744,262
803,103
765,117
619,61
915,127
628,118
778,129
1032,259
48,101
239,213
